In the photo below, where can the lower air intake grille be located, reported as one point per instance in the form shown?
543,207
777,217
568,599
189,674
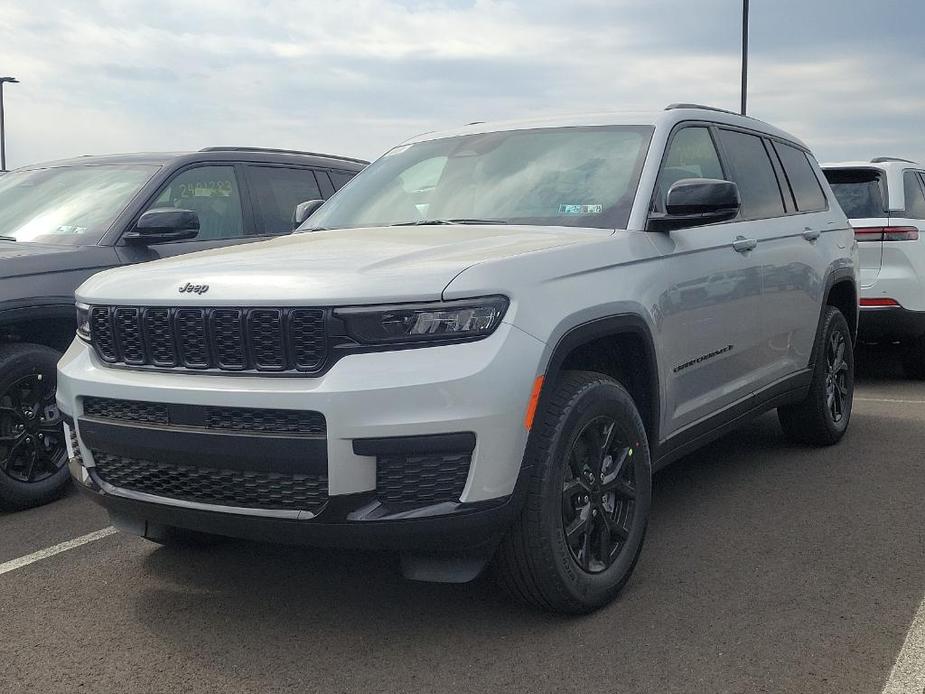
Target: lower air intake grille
245,489
421,479
126,410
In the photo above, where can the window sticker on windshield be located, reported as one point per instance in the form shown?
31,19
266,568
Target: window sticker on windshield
580,209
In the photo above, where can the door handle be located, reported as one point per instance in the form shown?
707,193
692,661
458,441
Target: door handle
811,234
742,244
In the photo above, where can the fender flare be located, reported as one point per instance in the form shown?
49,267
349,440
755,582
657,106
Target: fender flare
614,326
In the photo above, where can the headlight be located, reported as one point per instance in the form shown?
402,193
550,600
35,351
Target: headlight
83,321
444,321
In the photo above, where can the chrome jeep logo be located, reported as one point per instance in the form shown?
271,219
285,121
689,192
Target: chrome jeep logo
194,288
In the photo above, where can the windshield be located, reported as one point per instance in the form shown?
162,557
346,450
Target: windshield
71,205
579,176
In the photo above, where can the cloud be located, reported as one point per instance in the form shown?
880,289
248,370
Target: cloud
357,76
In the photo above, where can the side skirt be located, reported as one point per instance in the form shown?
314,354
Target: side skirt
789,390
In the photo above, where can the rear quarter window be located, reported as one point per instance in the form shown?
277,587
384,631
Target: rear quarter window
802,178
858,191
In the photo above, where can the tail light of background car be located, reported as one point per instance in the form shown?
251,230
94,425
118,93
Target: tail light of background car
886,233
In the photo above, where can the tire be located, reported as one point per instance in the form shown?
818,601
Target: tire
536,563
821,419
33,453
914,358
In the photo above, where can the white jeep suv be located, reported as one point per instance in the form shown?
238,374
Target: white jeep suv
885,203
480,348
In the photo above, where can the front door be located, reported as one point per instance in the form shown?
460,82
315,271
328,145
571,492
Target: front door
708,311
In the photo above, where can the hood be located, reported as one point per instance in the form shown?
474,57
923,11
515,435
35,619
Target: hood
19,259
336,267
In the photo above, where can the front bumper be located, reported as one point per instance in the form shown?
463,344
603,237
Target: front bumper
481,388
890,323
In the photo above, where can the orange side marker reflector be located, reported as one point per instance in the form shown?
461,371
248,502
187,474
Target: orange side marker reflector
534,400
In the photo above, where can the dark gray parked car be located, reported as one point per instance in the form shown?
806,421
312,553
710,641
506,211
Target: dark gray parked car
63,221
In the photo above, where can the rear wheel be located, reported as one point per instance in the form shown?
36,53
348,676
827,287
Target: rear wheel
822,418
581,530
33,452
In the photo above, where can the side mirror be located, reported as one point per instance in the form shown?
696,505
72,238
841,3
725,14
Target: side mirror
697,201
303,211
164,224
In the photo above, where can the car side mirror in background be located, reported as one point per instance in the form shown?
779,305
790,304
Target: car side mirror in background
164,224
303,211
697,201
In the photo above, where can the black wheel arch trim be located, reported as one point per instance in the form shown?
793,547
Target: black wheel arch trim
835,276
613,326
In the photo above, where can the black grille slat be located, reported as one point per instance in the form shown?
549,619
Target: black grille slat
215,417
276,421
220,338
265,328
246,489
307,338
190,328
127,322
228,338
126,410
159,333
102,334
422,479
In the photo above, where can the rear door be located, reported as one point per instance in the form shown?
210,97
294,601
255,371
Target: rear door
801,244
862,194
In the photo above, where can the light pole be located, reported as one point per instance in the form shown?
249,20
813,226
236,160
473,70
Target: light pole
11,80
744,53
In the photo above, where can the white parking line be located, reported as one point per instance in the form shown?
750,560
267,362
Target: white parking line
906,402
908,673
14,564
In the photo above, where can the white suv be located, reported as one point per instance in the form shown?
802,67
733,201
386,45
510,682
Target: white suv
481,348
885,203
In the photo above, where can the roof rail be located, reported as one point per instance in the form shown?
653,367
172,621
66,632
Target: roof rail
272,150
672,107
883,160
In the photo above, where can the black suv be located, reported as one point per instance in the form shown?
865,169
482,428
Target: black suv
63,221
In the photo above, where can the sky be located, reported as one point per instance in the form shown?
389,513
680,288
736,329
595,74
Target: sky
356,77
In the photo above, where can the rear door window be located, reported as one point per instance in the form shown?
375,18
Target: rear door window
276,190
915,199
802,178
753,173
858,191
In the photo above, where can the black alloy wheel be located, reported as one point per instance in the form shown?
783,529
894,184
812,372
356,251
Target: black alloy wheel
836,378
598,495
32,446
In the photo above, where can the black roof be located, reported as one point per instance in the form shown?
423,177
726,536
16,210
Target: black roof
253,154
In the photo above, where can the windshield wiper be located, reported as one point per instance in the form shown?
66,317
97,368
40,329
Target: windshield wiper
462,220
8,238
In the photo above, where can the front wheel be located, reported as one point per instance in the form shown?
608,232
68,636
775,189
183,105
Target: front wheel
581,530
822,418
33,452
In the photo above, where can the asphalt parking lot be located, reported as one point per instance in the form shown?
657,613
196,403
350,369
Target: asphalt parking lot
767,568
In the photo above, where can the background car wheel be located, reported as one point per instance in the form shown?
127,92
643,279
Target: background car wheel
581,529
822,418
914,358
33,454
